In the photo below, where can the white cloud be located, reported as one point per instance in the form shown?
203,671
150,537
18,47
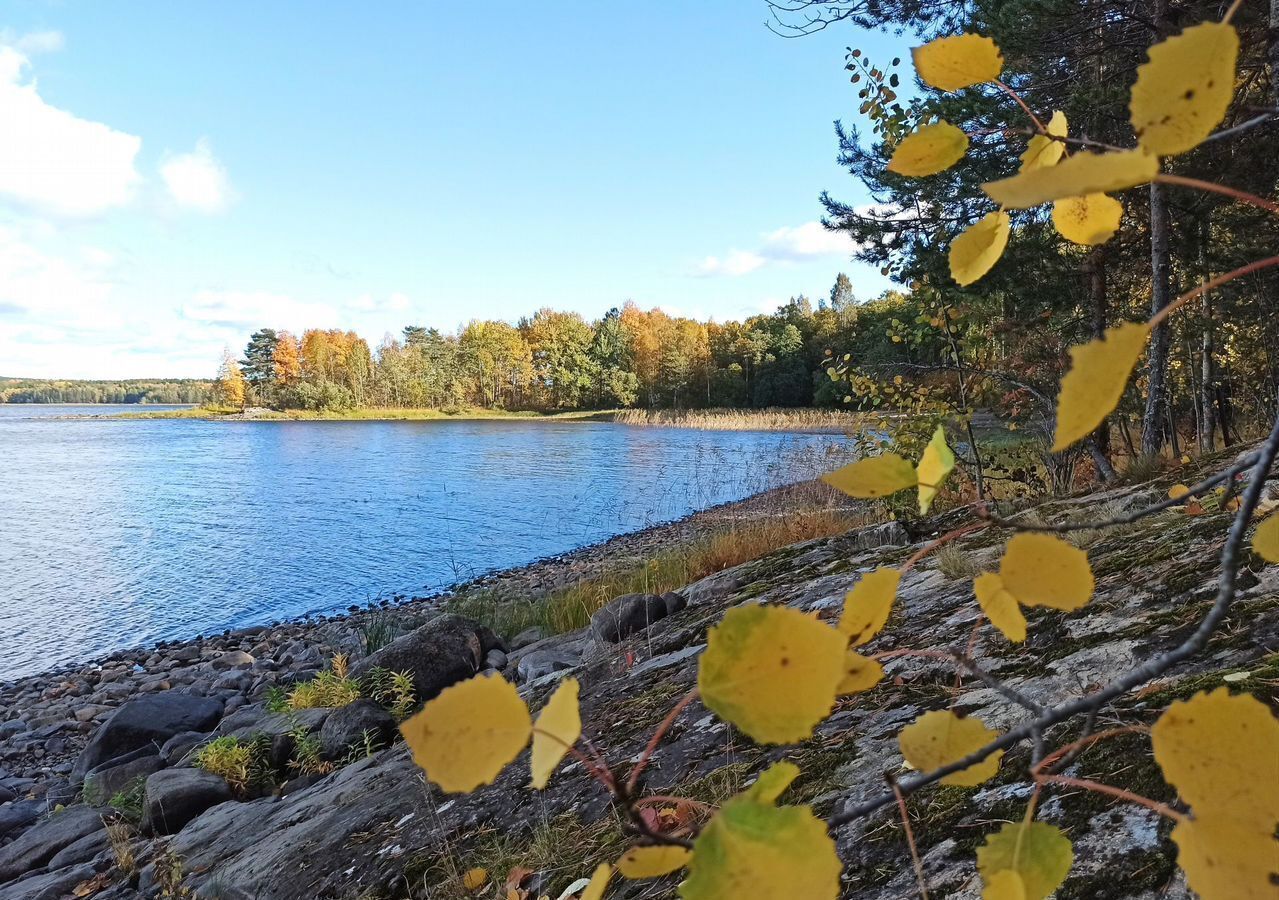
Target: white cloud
243,311
733,263
784,245
40,286
197,180
32,42
52,160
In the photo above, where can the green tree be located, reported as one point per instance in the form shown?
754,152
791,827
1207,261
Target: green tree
258,364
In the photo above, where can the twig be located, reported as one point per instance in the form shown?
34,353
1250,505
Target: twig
1062,753
910,836
1022,103
1097,787
1212,187
1210,285
656,739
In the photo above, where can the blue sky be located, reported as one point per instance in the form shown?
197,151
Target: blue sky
179,174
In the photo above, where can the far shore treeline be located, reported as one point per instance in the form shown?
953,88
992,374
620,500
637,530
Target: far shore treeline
556,360
146,390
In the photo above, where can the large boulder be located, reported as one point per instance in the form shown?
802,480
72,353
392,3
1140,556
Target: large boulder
441,653
625,615
149,720
346,728
107,780
18,815
176,796
40,844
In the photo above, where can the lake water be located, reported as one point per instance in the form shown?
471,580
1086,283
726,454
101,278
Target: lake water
119,533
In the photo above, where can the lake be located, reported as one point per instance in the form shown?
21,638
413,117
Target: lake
119,533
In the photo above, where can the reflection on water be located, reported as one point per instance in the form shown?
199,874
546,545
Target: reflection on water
121,533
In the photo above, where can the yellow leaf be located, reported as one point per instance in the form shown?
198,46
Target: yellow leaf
652,862
861,673
940,737
1082,173
1221,753
772,782
936,463
1000,606
1090,219
929,150
954,63
765,852
1227,860
1042,570
1177,491
1038,852
771,671
1265,540
557,729
1005,885
1099,372
465,736
875,476
474,879
599,882
978,248
867,605
1183,93
1042,151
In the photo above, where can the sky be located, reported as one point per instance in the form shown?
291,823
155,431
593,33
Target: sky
175,175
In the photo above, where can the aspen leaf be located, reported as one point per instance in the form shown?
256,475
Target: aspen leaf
1227,860
861,673
954,63
474,879
1265,540
1042,151
598,883
929,150
1219,752
875,476
867,605
1177,491
940,737
652,862
469,733
936,463
1000,607
557,729
765,852
1087,220
771,671
1038,852
978,248
1099,372
772,782
1183,93
1043,570
1082,173
1005,885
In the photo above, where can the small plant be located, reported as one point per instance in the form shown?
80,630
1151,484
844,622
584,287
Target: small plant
368,744
120,836
328,690
228,757
308,756
277,699
169,875
1141,469
128,800
378,630
955,563
394,690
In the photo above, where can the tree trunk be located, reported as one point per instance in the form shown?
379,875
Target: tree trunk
1206,379
1152,424
1095,269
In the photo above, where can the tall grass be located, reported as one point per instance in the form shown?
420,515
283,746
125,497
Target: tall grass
772,419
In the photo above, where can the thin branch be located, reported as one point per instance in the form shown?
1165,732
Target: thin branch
1098,787
1083,743
910,837
1022,103
1214,188
656,739
1240,128
1217,282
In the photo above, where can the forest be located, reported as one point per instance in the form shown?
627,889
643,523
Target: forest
150,390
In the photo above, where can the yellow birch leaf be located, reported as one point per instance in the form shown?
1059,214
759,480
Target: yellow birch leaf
772,671
875,476
867,605
469,733
1227,860
978,248
557,729
474,879
1183,93
1087,220
1005,885
1265,540
861,673
940,738
954,63
929,150
764,852
1038,852
936,463
1042,151
772,782
1177,491
1043,570
1000,607
1082,173
1099,372
652,862
1221,753
599,882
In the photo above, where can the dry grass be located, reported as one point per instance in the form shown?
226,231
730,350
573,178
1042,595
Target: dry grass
955,563
120,836
773,419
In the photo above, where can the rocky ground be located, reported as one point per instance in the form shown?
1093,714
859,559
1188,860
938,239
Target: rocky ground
336,808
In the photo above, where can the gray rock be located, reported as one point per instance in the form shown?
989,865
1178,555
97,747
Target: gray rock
675,602
623,616
345,728
496,659
542,662
176,796
48,885
18,815
233,659
178,746
147,721
41,843
81,851
526,637
12,728
440,653
104,782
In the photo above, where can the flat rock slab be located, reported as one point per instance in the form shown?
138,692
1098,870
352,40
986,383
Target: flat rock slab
176,796
41,843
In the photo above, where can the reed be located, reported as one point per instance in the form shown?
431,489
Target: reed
772,419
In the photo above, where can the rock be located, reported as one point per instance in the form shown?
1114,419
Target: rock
18,815
345,728
104,782
675,602
495,659
90,712
6,794
526,637
234,680
11,728
49,885
144,722
176,796
81,851
178,746
552,655
623,616
440,653
41,843
233,659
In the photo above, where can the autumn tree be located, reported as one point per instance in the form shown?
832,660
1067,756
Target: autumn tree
229,388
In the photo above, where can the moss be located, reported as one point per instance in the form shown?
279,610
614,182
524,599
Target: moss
1128,876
